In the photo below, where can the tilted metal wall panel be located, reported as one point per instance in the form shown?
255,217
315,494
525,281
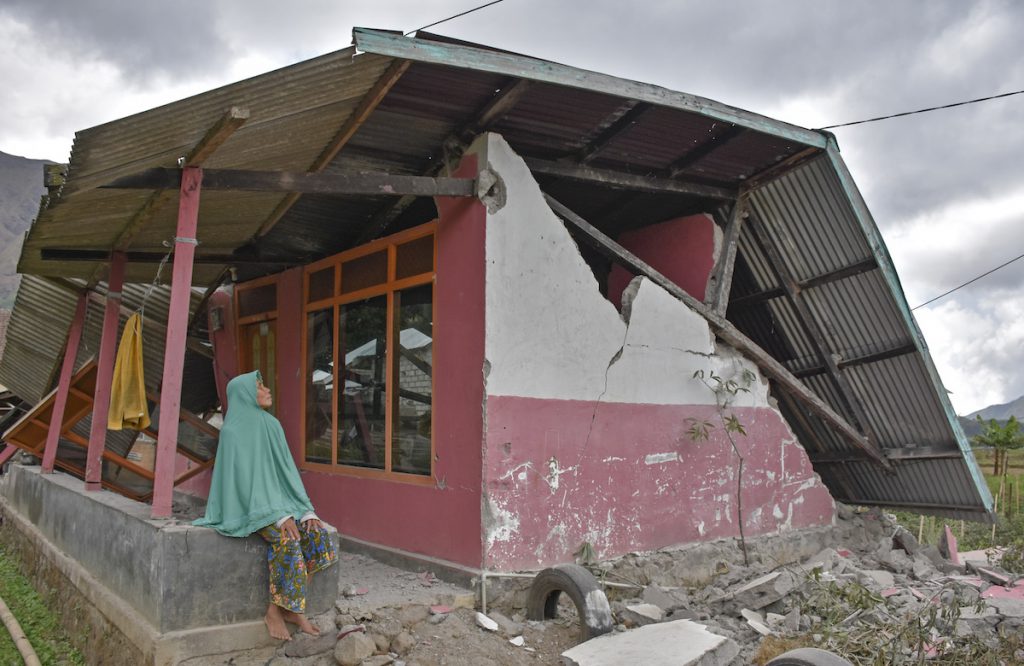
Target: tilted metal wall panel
819,226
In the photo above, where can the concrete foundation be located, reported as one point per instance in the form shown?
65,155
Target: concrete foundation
146,591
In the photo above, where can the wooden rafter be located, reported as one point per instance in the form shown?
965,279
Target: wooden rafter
863,359
452,149
709,146
721,277
723,329
215,137
370,101
144,257
855,268
621,124
811,326
627,181
238,180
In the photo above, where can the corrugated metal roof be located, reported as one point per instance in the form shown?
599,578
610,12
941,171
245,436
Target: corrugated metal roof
817,230
38,331
813,213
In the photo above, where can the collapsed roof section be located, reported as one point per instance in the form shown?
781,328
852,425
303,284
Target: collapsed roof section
286,157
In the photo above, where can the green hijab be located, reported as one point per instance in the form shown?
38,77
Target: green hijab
255,482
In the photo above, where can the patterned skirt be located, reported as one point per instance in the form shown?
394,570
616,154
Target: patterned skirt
291,563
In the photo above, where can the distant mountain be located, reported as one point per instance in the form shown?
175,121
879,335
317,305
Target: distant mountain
1001,412
21,185
998,412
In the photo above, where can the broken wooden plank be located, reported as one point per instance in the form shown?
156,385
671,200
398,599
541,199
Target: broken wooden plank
721,327
371,184
627,181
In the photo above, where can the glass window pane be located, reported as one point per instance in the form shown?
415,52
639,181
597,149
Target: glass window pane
257,300
414,258
410,438
319,384
362,405
364,272
321,284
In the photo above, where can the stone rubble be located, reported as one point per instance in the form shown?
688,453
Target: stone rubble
868,581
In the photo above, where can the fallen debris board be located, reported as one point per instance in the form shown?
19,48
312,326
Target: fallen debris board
679,643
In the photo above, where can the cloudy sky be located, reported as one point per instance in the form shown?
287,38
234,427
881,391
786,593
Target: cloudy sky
946,188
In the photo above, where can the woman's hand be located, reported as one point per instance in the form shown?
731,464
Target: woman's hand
314,523
289,530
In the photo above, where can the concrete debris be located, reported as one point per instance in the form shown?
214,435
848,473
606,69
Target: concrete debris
763,591
756,622
508,627
638,615
667,599
486,622
353,648
518,641
903,539
678,643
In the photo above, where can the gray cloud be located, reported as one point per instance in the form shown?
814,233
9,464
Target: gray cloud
805,61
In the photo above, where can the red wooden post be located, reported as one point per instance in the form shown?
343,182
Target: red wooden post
174,350
8,453
104,373
61,401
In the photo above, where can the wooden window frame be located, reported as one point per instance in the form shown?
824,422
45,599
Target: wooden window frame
334,303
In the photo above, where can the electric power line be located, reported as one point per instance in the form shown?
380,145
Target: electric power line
468,11
931,108
975,279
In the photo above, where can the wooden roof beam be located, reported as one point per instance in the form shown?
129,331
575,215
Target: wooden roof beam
709,146
856,268
213,139
723,328
453,146
623,123
627,181
369,103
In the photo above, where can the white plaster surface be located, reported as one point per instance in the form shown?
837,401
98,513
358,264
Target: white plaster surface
551,334
679,643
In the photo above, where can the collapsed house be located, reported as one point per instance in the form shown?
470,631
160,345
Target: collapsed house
509,309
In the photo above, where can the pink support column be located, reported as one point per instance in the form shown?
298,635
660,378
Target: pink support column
8,453
61,401
104,373
174,350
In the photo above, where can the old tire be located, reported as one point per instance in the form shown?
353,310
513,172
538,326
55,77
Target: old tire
809,657
583,589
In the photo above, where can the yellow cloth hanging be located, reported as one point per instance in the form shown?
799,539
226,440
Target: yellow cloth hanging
128,407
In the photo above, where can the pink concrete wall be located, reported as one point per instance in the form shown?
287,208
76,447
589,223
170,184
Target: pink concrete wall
683,250
630,479
441,520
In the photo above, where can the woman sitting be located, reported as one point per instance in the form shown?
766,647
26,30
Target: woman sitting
256,488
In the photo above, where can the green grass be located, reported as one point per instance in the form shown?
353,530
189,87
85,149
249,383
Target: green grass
37,621
1009,531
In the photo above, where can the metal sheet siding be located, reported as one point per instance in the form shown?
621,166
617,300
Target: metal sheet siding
814,220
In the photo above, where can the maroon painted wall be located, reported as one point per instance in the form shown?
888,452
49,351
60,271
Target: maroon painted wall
441,520
683,250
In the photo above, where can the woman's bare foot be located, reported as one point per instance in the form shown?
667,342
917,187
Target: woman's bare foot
300,619
274,619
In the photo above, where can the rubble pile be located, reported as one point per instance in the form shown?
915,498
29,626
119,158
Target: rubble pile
871,595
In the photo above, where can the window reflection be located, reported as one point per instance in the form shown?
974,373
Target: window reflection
410,437
319,384
362,406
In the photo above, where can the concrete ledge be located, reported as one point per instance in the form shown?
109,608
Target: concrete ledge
160,590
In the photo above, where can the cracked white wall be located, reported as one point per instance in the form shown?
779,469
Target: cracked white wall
590,408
